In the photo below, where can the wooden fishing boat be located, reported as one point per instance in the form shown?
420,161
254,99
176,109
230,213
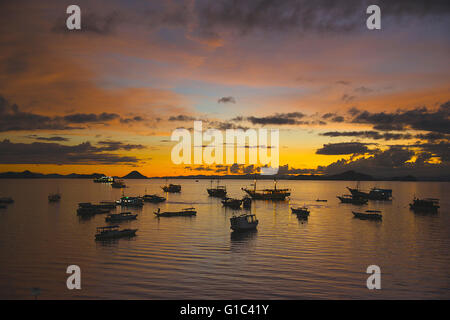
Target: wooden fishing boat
54,197
347,198
118,184
123,216
302,213
267,194
153,198
247,202
130,202
172,188
113,232
425,205
243,222
186,212
232,203
6,200
368,215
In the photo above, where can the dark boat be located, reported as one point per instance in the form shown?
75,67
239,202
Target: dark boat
425,205
6,200
123,216
347,198
89,209
244,222
218,191
380,194
187,212
118,184
54,197
104,179
107,204
130,202
113,232
153,198
302,213
373,194
232,203
368,215
321,200
267,194
3,206
172,188
247,202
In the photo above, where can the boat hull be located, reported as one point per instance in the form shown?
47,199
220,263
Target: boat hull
116,234
367,216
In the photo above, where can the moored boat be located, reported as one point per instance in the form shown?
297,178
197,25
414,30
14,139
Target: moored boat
218,191
118,184
130,202
425,205
302,213
54,197
267,194
104,179
243,222
347,198
6,200
113,232
368,215
247,202
321,200
172,188
186,212
232,203
123,216
153,198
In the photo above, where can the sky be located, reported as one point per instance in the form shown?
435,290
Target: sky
107,98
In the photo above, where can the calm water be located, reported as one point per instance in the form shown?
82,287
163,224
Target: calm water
199,258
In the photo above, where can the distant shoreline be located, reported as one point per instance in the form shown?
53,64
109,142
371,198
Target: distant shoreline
345,176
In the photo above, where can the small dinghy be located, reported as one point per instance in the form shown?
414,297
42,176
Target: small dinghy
186,212
120,217
113,232
368,215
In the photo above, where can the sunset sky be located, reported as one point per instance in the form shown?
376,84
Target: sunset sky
106,98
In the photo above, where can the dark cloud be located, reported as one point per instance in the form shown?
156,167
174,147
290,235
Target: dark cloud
417,119
368,134
181,117
55,153
54,138
278,119
347,98
227,100
363,90
344,148
90,117
395,161
338,119
132,119
13,119
303,16
110,145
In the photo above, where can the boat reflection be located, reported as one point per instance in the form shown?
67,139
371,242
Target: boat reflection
239,236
